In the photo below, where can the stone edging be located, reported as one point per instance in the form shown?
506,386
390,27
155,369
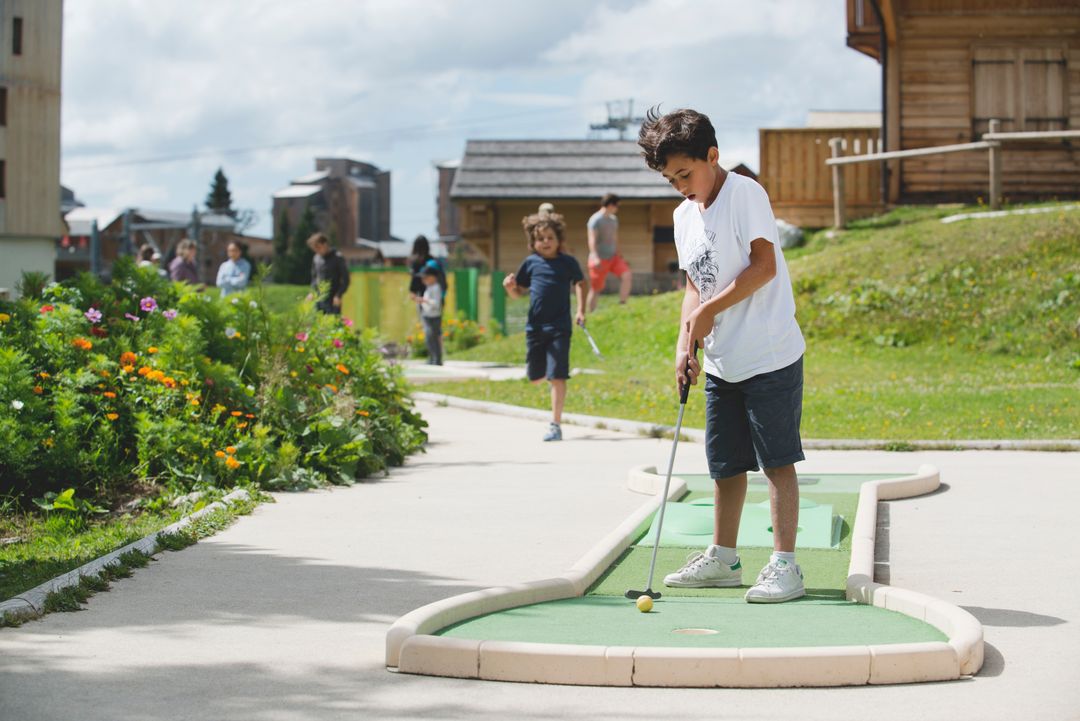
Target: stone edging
411,648
698,436
30,604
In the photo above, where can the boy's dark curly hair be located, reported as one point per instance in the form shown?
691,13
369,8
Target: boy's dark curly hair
533,223
680,132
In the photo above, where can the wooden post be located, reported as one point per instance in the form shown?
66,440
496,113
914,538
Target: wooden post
839,209
995,168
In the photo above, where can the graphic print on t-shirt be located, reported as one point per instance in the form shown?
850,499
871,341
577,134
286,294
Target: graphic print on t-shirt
703,267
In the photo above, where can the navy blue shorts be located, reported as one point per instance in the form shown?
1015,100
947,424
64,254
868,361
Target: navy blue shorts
754,423
547,354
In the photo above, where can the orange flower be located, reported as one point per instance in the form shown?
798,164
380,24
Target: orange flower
43,374
342,369
155,375
109,394
231,450
365,414
128,368
249,415
241,425
332,387
38,390
219,454
169,381
194,401
236,414
128,358
82,344
232,463
144,370
152,350
104,374
112,416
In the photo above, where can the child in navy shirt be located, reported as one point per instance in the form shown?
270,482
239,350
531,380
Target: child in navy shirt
548,274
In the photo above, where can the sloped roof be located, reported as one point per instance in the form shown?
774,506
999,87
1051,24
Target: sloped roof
552,169
298,191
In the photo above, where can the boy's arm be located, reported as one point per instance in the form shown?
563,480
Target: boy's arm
511,287
579,291
699,322
592,243
687,371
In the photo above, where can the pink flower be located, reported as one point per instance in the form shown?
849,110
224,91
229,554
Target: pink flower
93,315
302,337
169,314
131,317
338,343
347,322
149,305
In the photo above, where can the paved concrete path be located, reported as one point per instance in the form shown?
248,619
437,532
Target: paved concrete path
283,616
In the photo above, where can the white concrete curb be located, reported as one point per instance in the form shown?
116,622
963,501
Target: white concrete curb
430,618
31,604
411,647
698,435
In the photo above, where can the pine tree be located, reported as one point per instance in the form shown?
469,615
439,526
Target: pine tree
300,255
282,261
219,199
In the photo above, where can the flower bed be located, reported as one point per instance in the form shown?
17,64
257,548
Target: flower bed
143,382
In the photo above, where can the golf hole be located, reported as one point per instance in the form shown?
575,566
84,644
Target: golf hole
696,631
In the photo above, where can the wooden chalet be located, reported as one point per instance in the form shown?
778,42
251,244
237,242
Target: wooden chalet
949,67
498,182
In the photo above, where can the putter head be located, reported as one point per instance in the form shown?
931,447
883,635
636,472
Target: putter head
634,595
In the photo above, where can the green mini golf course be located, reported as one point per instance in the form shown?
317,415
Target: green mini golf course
578,628
713,617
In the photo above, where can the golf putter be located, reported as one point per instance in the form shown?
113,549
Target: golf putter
684,392
588,336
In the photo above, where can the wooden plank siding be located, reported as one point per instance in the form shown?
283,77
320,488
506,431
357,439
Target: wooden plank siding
507,246
799,184
30,140
1022,54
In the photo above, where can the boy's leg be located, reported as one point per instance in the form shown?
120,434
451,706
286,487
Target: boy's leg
774,407
620,268
784,506
729,495
597,276
558,397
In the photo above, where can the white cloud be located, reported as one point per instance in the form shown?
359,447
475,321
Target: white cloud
404,83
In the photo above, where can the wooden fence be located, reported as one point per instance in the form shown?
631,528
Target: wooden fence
991,143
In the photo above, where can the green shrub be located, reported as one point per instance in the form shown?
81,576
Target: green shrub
106,386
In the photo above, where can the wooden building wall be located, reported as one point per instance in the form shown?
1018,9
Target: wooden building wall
637,221
793,172
30,139
1022,53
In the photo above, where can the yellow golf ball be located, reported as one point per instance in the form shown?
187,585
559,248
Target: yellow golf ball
644,604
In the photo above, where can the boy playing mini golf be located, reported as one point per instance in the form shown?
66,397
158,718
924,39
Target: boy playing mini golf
547,275
739,307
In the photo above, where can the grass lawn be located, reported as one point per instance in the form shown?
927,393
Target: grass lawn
50,547
915,330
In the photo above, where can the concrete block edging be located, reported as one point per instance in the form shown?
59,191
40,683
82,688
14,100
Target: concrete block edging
31,604
411,646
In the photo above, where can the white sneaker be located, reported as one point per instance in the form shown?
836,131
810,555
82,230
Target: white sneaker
702,571
778,582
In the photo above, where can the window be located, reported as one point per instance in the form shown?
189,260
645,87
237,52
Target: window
3,107
3,177
16,36
1025,88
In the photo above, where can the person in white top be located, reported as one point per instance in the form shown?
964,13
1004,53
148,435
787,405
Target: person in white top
739,308
431,311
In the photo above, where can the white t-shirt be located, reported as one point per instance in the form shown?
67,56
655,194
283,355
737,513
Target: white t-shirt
431,301
759,334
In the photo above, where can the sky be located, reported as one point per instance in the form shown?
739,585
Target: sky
158,94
